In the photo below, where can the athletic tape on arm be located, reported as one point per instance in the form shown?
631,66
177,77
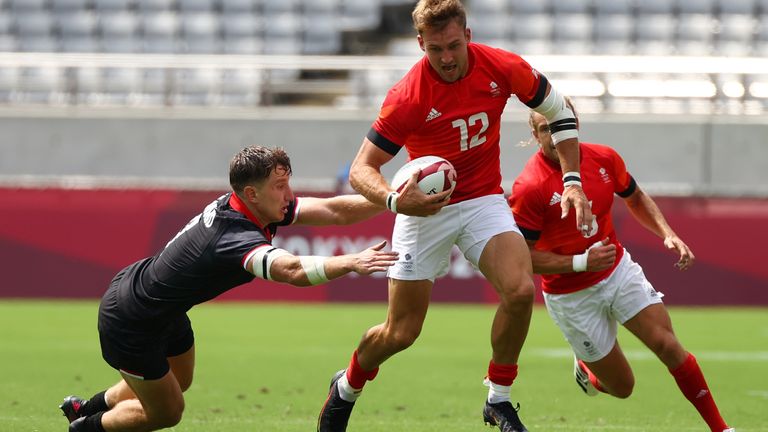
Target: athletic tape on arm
562,121
314,268
262,260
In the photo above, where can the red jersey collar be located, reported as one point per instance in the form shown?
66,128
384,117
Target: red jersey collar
238,205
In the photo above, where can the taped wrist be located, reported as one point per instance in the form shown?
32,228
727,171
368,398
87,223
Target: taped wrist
392,201
580,262
314,268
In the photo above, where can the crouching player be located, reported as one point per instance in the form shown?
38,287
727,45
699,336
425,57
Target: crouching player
590,283
144,329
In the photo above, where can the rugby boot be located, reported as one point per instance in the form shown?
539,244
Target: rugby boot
335,413
78,425
72,407
503,415
581,373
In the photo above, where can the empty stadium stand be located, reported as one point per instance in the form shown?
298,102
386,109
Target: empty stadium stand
722,28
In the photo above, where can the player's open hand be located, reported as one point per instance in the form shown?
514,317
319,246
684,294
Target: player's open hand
413,202
573,196
674,243
601,256
373,259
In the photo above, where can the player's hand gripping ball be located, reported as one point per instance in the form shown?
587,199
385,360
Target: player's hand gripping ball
435,175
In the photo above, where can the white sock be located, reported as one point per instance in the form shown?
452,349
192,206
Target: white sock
346,391
497,393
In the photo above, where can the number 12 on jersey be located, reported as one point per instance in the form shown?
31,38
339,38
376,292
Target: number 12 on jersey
464,125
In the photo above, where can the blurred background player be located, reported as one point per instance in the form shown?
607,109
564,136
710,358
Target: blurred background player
449,105
143,325
591,282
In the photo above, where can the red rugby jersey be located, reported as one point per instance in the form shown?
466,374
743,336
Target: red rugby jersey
535,202
458,121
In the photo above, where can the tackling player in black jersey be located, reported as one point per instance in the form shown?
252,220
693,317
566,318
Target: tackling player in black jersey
143,326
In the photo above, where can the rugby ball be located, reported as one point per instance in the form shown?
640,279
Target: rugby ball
435,175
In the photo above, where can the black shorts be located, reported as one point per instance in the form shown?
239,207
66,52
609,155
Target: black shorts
139,350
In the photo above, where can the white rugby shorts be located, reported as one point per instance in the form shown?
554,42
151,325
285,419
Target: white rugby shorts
588,318
425,243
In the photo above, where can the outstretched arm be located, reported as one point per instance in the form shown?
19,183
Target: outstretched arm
600,256
645,210
338,210
275,264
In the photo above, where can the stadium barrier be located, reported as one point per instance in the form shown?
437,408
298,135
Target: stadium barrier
68,243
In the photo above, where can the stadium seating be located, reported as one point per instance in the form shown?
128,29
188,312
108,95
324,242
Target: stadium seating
730,28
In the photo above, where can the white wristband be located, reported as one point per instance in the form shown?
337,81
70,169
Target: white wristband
392,201
580,262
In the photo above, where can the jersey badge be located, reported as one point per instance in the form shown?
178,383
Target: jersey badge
433,114
556,197
604,175
495,92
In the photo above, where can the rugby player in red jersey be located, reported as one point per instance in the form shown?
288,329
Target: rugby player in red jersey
143,326
449,105
590,282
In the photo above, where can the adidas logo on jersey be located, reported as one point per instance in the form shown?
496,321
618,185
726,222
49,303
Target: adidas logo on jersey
433,114
556,197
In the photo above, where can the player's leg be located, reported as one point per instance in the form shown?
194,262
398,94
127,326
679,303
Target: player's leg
160,404
506,264
611,374
653,327
424,245
491,241
585,319
407,309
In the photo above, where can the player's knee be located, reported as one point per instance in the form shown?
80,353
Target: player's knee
185,383
518,293
403,338
667,348
169,417
624,389
620,386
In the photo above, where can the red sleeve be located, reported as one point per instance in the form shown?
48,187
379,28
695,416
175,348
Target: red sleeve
624,181
399,116
523,80
527,208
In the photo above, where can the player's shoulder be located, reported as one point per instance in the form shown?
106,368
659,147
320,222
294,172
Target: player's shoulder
534,175
598,151
500,57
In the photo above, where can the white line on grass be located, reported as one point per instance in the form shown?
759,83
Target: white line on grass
730,356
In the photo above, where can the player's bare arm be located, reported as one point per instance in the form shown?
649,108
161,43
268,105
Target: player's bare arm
278,265
366,178
599,257
564,128
645,210
338,210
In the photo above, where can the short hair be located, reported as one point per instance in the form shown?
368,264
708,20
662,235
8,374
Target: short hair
254,164
436,14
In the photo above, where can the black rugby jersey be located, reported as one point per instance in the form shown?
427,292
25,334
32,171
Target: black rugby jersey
205,259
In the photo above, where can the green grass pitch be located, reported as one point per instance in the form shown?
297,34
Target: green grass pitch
266,367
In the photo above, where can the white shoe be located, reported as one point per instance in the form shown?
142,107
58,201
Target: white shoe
730,430
582,379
